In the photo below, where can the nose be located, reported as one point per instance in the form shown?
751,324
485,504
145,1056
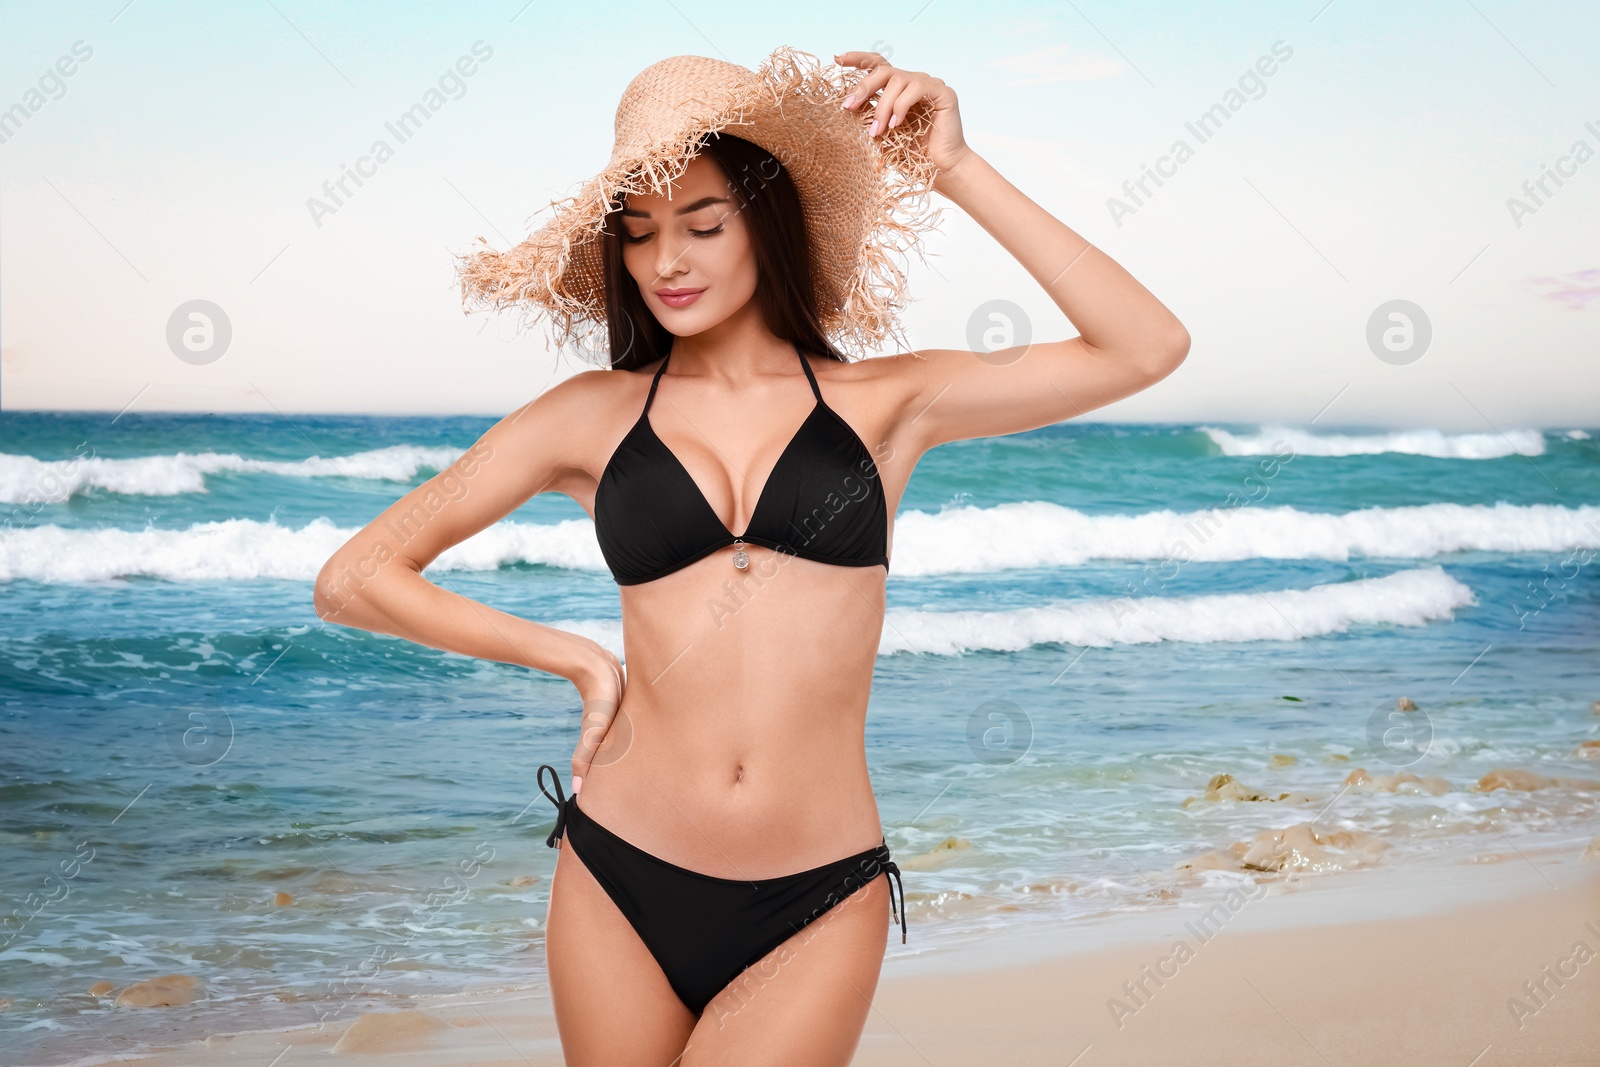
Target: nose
670,257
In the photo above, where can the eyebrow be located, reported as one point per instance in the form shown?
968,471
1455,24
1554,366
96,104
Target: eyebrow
704,201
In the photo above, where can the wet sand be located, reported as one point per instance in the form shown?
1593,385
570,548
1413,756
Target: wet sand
1462,965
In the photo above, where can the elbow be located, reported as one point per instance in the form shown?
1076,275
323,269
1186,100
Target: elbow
351,586
1179,350
333,592
1167,355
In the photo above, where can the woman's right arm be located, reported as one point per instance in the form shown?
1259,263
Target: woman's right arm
375,581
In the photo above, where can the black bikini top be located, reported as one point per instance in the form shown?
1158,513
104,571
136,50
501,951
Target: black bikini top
823,501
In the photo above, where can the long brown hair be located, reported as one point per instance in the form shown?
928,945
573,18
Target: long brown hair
785,292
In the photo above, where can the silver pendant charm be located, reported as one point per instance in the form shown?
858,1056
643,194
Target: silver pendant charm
741,560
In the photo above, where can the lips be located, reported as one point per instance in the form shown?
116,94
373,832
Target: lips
678,298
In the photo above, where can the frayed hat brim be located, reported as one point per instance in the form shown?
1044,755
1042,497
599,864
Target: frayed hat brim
866,200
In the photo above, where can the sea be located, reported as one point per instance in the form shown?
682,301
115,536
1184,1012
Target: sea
1124,667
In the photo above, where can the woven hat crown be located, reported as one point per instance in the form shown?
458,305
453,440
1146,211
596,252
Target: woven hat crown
670,101
864,199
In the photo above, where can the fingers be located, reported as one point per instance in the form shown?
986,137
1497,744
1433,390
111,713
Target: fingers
598,716
903,103
900,90
898,95
583,758
599,712
866,87
864,60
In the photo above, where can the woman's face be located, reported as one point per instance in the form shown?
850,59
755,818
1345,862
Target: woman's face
694,239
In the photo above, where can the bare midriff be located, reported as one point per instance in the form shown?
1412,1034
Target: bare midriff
739,747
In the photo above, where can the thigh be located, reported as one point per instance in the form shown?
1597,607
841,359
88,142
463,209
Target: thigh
805,1002
612,1003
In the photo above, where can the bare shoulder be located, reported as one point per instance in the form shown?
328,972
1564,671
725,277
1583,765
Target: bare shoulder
910,372
885,382
595,390
574,423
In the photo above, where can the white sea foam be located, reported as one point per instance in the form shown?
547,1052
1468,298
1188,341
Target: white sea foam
955,541
1037,534
25,479
238,549
1406,598
1270,440
28,479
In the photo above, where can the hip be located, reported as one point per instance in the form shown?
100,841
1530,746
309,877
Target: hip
737,805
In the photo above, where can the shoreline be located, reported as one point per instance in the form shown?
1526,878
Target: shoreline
1417,966
1335,968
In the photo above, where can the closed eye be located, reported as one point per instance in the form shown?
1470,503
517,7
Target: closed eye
627,239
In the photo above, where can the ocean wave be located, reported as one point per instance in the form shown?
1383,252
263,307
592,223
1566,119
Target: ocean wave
1038,534
963,540
25,479
242,549
28,479
1269,440
1406,598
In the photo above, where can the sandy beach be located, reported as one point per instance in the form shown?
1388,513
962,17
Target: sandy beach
1481,964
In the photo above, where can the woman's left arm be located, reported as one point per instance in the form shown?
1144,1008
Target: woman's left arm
1128,340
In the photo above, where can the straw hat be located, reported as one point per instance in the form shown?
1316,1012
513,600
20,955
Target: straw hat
865,199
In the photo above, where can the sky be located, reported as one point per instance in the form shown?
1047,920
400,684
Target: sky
1446,155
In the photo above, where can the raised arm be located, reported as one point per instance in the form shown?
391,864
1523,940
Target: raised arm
375,581
1128,340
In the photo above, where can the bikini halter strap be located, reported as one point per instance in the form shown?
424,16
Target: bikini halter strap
805,365
655,382
810,375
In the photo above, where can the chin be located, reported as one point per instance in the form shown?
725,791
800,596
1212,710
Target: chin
686,322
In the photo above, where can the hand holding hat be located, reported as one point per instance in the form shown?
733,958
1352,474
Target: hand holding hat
901,91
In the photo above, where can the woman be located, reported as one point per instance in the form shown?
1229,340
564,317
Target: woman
725,893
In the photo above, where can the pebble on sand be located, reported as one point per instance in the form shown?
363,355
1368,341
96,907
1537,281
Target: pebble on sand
1528,781
389,1031
167,991
1522,781
937,856
1294,848
1404,782
1226,787
1301,848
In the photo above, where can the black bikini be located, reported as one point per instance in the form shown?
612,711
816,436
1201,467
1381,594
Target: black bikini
823,501
705,931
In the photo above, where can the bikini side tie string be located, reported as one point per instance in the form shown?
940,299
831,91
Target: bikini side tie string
559,800
894,873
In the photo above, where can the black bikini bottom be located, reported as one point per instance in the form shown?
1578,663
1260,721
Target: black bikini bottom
705,931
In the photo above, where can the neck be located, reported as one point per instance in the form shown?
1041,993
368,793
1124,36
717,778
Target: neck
735,350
